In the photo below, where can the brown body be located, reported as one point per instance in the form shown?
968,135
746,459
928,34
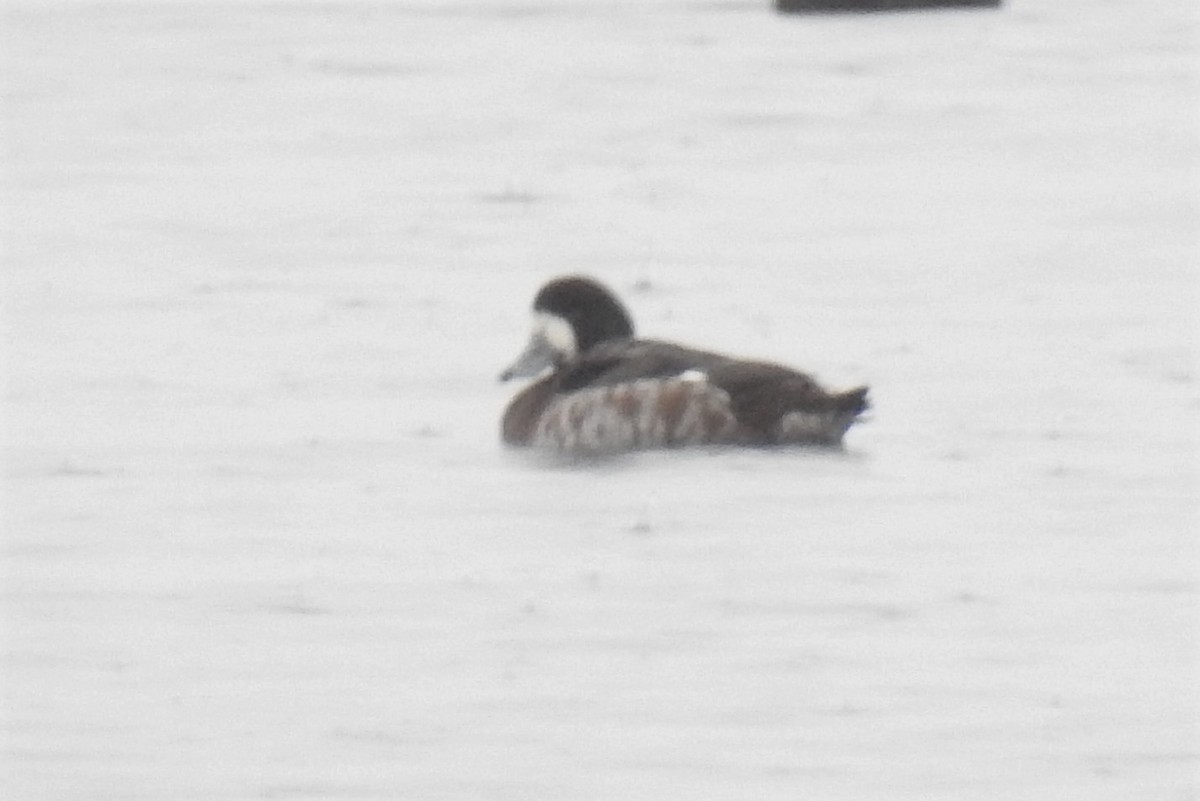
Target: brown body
642,395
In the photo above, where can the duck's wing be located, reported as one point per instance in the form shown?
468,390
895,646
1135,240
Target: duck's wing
620,362
770,402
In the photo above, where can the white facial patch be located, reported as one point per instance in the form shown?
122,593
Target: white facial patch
693,376
556,332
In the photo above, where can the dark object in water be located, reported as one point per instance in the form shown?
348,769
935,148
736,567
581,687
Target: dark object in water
863,6
599,390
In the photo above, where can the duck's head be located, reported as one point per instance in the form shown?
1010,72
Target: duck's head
570,316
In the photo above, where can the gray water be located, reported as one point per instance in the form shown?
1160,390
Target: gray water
264,262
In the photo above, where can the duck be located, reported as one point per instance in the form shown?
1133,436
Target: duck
595,388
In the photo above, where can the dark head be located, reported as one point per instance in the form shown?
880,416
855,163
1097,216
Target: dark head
570,316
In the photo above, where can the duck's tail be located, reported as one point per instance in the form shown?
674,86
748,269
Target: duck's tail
824,426
852,401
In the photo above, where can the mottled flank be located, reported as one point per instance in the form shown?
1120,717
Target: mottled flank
637,415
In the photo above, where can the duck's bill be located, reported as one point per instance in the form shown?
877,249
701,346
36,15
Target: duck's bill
539,355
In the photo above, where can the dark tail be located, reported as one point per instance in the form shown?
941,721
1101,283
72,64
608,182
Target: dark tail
853,401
